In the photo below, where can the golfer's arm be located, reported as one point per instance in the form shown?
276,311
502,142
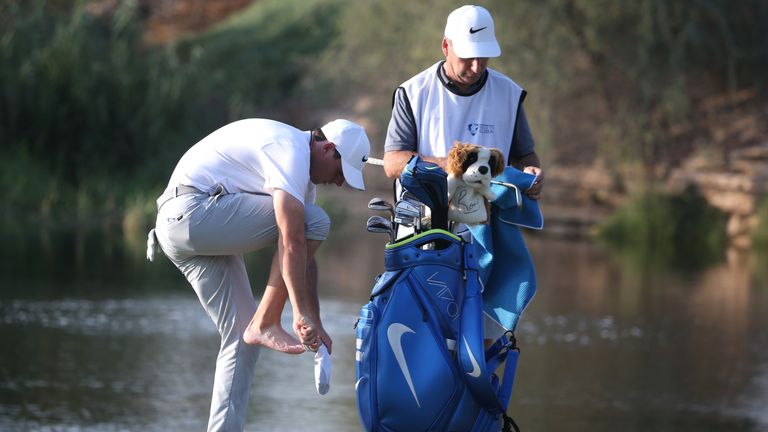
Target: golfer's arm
396,160
292,249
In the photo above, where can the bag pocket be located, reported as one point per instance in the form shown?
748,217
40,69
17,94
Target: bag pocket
365,365
417,383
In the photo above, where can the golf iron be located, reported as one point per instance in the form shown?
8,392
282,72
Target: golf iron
378,224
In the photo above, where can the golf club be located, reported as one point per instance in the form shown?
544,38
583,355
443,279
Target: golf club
408,213
379,224
518,196
380,204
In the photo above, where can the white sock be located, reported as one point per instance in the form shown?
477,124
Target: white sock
322,370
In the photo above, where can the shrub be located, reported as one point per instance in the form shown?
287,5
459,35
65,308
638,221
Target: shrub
83,96
672,231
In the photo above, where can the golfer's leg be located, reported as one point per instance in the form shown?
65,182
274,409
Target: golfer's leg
221,283
318,226
233,224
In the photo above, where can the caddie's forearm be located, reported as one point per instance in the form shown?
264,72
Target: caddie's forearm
395,162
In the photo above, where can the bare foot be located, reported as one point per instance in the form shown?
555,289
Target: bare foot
273,337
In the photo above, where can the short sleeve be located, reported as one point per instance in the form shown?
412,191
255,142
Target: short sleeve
401,132
522,142
285,168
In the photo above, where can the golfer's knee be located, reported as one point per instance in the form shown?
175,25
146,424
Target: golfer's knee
317,224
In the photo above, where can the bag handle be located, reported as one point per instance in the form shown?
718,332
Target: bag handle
422,239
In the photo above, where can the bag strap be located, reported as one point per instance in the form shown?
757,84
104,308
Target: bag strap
504,349
478,376
510,353
475,373
509,425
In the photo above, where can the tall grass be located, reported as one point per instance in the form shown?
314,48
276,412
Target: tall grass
84,97
92,118
259,58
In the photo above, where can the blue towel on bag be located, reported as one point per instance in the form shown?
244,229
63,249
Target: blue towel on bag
510,284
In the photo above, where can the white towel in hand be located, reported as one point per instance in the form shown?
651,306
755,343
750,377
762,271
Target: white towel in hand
322,370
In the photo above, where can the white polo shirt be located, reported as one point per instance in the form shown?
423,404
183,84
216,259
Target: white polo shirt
252,155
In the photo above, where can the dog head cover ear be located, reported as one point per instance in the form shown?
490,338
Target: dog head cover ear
498,166
457,156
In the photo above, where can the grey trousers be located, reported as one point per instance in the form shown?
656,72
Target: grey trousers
206,237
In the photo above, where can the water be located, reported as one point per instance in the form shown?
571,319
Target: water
605,347
146,365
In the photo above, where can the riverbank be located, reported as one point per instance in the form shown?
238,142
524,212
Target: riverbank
579,198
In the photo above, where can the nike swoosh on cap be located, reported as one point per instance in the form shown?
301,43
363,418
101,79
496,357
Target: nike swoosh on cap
473,31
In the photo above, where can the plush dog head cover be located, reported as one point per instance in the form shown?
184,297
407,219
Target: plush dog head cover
470,169
471,160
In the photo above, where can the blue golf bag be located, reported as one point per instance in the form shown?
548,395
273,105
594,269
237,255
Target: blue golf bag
421,363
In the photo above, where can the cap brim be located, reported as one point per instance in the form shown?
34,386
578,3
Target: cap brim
352,176
476,49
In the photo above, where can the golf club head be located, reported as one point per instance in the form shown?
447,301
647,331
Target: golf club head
380,204
407,212
378,224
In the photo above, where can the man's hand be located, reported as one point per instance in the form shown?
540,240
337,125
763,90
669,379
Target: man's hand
311,334
534,192
530,164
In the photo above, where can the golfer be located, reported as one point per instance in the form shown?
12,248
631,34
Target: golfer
243,187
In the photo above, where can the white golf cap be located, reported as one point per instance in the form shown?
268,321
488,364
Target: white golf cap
470,30
353,146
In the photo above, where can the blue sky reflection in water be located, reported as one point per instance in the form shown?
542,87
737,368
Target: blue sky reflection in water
603,349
